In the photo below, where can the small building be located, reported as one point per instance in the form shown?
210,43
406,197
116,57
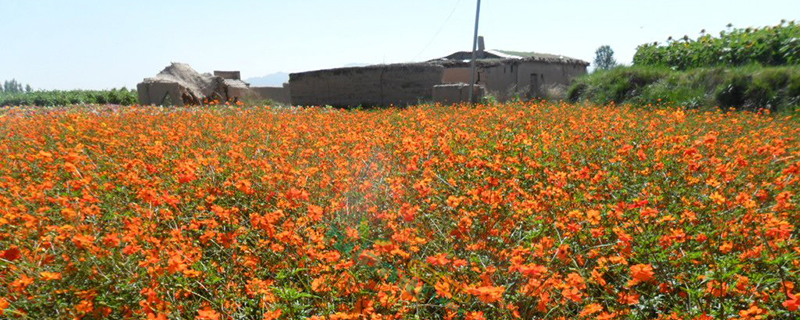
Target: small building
509,74
503,74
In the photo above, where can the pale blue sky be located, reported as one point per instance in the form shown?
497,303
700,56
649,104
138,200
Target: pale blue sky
93,44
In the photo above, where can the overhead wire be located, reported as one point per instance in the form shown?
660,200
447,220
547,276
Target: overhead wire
439,31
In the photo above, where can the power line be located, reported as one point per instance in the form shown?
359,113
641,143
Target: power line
439,31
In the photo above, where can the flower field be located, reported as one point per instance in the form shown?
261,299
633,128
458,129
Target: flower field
510,211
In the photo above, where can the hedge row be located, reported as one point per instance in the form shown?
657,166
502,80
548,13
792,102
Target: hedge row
59,98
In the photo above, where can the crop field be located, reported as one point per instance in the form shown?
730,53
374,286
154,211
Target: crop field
506,211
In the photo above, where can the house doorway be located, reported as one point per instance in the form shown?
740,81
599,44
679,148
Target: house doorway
534,86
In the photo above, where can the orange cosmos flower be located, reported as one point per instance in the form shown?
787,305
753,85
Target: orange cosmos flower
50,276
438,260
591,309
573,294
640,273
272,315
3,306
11,254
207,314
443,289
476,315
85,306
487,294
792,303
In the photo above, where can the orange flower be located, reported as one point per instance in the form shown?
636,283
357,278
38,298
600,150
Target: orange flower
487,294
591,309
438,260
629,298
641,273
549,201
315,213
50,276
475,315
3,306
207,314
752,313
245,186
83,241
85,306
533,270
11,254
573,294
272,315
20,284
443,289
792,303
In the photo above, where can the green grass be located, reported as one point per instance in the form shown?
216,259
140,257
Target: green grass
747,88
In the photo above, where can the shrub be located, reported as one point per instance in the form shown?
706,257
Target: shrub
750,87
121,96
768,46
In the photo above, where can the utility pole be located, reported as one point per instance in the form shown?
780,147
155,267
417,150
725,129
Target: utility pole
474,48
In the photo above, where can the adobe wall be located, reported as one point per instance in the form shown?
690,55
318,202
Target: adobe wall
506,80
453,93
548,73
381,85
278,94
457,75
500,80
156,93
232,75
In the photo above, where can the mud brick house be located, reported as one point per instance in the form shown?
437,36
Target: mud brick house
503,74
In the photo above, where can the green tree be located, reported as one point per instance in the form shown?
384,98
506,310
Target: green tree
12,86
28,88
604,58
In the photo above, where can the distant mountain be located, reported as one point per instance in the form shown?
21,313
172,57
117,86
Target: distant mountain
270,80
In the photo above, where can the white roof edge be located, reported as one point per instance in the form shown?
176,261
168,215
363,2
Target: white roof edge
502,55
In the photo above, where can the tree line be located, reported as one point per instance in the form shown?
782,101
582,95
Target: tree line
12,86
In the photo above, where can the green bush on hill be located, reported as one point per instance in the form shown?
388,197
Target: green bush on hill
749,87
121,96
750,69
770,46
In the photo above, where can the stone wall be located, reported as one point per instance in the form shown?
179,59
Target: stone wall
381,85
